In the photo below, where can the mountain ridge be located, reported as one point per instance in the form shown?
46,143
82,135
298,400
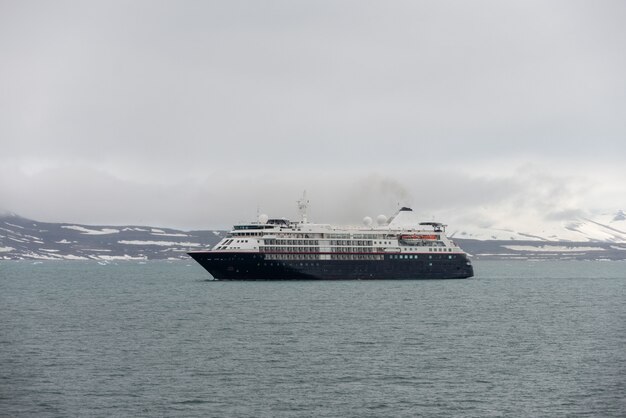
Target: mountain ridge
23,238
27,239
605,227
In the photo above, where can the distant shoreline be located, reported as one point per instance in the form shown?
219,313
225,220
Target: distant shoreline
26,239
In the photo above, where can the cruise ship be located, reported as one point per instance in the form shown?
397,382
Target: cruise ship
389,249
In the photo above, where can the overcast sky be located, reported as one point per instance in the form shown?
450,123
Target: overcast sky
194,114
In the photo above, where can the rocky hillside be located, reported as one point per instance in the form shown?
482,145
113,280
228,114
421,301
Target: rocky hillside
22,238
542,250
25,239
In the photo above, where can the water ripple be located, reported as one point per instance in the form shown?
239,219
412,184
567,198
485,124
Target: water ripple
158,339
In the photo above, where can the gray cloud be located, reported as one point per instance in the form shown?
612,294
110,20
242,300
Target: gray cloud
172,108
340,196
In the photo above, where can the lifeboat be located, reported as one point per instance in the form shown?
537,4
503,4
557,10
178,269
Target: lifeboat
416,239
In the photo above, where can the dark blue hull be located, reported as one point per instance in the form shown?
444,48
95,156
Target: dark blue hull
255,266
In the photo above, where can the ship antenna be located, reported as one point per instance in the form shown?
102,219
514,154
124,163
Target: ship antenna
303,206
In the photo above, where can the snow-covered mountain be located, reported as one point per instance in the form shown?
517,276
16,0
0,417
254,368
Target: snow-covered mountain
609,227
602,237
22,238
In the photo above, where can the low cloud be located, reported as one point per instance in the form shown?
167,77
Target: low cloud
198,113
84,195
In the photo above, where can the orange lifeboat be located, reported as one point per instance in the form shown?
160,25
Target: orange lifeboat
415,239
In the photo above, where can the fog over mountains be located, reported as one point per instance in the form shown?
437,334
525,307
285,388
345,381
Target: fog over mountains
26,239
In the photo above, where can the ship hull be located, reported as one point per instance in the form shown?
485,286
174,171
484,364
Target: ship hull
255,266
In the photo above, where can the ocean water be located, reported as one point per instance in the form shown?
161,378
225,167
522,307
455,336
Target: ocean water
159,339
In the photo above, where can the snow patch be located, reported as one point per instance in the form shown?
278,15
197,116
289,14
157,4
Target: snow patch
168,235
121,257
6,249
597,230
13,225
33,237
41,256
160,243
551,248
83,230
73,257
63,241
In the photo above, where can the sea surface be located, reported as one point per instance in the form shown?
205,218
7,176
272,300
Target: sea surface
80,339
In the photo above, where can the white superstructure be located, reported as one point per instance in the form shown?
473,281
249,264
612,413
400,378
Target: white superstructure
282,239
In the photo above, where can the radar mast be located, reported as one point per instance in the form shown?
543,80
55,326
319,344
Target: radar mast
303,206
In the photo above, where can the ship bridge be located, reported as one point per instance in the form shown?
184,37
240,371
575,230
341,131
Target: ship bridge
437,226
